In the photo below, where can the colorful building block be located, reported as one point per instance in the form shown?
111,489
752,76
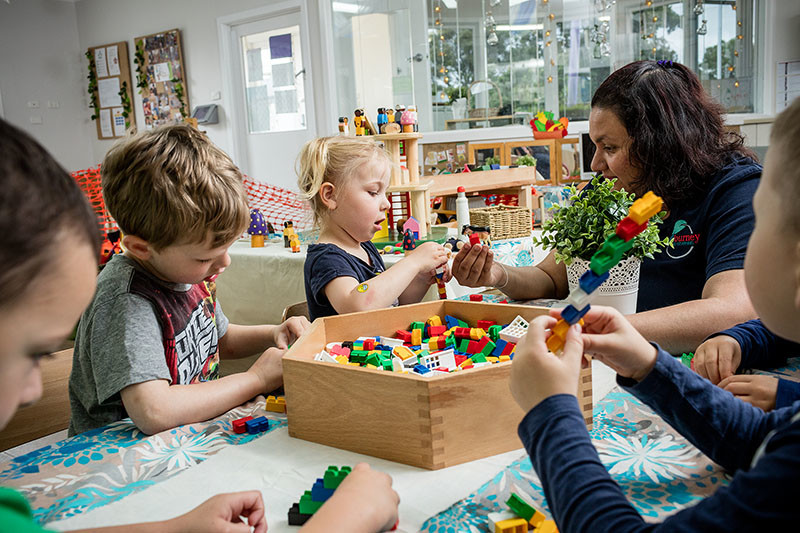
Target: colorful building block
435,320
308,505
403,335
475,297
494,332
239,425
512,525
334,476
515,330
296,518
572,315
590,281
276,404
520,507
645,207
485,324
416,337
547,526
257,425
609,254
627,229
318,491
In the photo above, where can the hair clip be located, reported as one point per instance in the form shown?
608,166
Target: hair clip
664,62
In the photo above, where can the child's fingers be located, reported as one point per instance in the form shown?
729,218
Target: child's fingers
572,352
738,387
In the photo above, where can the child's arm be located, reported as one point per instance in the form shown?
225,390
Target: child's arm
243,341
219,513
416,291
578,488
381,291
363,503
155,405
747,345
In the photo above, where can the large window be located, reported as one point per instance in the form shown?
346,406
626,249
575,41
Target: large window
486,63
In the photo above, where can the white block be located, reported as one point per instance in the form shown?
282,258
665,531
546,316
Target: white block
390,341
579,298
514,331
325,356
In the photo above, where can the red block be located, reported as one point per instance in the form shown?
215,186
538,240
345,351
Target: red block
486,324
627,229
462,333
403,334
482,342
475,297
474,238
435,331
474,347
369,344
339,350
240,425
508,348
460,358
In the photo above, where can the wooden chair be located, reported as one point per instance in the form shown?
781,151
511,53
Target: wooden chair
51,413
298,309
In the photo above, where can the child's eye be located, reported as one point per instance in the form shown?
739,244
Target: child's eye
373,193
41,355
204,260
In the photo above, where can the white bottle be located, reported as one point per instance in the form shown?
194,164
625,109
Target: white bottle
462,212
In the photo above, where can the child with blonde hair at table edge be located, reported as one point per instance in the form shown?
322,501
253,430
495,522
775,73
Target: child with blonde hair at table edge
763,449
345,179
47,278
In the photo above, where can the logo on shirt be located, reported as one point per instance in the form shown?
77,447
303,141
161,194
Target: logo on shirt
684,240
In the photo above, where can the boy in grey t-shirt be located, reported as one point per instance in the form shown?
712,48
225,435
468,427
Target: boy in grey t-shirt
155,322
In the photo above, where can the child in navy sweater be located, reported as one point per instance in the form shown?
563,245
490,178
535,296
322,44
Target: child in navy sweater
345,179
763,449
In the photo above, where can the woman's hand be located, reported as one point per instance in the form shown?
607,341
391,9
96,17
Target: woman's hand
474,266
717,358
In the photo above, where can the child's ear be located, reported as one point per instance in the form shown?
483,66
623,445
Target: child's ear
327,193
136,246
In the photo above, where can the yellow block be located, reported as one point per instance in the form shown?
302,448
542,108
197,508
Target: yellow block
416,337
547,526
504,358
435,320
276,404
465,362
645,207
512,525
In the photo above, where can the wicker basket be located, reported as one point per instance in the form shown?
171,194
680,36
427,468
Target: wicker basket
484,111
504,221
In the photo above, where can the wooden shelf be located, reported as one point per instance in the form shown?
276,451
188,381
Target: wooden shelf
485,180
396,136
422,185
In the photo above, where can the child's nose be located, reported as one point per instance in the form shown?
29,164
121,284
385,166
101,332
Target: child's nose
32,388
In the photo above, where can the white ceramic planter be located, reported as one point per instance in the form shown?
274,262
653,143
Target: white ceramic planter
620,290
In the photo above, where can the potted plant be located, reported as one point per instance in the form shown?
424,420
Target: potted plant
576,231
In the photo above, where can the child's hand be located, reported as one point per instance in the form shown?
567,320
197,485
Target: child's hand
365,501
428,256
718,358
290,331
611,339
223,512
756,390
269,369
537,374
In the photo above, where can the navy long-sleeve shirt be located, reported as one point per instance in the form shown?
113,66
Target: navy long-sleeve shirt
762,448
763,349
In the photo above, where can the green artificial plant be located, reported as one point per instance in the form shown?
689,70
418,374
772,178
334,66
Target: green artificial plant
525,161
579,229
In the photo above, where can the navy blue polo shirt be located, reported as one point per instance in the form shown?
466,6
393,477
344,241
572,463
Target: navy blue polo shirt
326,262
710,235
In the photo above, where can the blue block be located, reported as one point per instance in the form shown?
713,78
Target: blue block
500,345
572,315
319,493
257,425
590,281
450,322
421,369
495,166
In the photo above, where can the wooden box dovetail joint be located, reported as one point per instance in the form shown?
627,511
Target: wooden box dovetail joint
426,422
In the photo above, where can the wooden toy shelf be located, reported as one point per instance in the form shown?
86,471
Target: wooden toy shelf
516,181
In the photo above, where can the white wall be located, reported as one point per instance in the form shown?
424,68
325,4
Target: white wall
107,21
41,61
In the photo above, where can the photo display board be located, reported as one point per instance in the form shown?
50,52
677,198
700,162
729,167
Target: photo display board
165,99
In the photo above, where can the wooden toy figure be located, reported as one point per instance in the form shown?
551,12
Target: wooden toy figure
400,109
409,120
294,242
389,115
342,125
382,120
288,229
257,229
359,122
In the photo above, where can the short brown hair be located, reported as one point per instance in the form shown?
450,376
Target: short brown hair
785,145
171,185
333,160
39,201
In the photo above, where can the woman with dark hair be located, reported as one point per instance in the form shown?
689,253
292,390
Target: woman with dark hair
656,129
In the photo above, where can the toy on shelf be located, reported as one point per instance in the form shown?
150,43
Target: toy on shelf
400,110
257,229
412,225
409,120
343,126
579,300
545,127
382,120
408,241
359,122
389,116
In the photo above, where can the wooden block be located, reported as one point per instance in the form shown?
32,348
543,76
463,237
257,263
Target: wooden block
405,418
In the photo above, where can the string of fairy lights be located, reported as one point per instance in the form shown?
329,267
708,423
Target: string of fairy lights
439,42
549,28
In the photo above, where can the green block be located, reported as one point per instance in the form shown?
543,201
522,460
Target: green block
372,359
462,324
464,345
489,348
417,325
478,358
450,341
307,505
686,359
609,254
494,332
333,477
486,167
387,364
358,356
519,506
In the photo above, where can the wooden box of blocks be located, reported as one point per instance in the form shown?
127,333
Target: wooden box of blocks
428,422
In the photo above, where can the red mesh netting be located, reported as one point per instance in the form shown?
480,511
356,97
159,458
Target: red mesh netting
279,205
89,182
276,204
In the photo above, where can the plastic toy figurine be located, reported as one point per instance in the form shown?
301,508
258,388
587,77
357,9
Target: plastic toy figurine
342,125
382,119
359,122
408,241
288,229
257,229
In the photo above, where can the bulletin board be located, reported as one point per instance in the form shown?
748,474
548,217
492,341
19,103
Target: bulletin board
161,78
110,89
